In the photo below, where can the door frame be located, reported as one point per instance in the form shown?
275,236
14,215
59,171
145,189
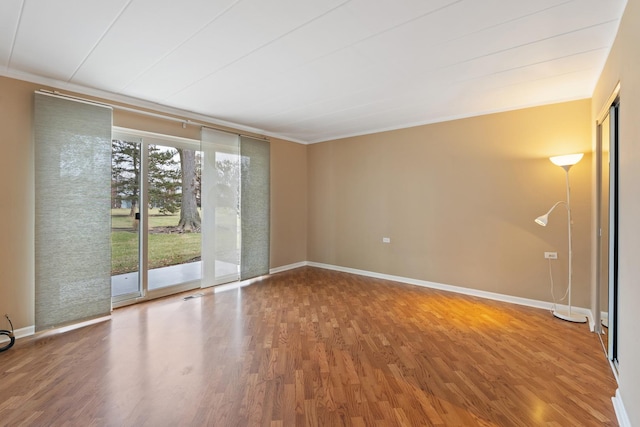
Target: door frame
610,111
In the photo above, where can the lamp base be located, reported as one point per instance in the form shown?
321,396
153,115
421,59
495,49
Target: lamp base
573,317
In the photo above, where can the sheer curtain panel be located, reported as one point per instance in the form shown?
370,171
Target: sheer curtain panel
235,207
220,202
72,144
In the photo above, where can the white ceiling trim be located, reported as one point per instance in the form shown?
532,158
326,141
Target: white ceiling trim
97,43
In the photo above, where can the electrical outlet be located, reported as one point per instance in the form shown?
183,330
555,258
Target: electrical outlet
551,255
386,240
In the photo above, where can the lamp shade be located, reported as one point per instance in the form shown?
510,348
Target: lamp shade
567,159
542,220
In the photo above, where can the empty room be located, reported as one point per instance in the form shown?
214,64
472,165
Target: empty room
329,213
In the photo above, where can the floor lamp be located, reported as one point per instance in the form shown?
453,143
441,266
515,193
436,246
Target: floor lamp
565,162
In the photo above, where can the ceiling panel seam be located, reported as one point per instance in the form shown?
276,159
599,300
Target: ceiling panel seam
257,49
508,21
201,29
555,36
355,43
105,32
532,64
15,34
421,16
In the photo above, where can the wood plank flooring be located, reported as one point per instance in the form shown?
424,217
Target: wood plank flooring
312,347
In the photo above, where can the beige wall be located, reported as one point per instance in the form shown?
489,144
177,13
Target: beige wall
458,200
288,202
623,66
16,215
288,195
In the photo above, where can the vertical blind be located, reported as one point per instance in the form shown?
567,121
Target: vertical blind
72,142
254,202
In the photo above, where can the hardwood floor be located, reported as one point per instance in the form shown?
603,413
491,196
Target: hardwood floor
313,347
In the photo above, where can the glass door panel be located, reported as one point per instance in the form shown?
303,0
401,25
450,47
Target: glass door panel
173,216
125,219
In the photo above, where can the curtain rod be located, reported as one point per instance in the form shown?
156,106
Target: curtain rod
184,122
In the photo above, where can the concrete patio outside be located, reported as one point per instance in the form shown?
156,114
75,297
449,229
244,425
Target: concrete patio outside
123,284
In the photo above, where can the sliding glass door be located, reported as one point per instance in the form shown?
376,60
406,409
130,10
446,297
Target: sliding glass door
186,213
155,215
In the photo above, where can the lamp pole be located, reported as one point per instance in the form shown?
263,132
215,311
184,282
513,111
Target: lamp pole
569,221
569,316
565,162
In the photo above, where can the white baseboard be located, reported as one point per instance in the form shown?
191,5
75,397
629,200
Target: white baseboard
288,267
457,289
19,333
73,326
621,413
31,330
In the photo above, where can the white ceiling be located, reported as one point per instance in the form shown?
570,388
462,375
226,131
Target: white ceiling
315,70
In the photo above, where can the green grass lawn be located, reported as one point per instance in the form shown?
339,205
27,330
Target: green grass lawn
165,249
